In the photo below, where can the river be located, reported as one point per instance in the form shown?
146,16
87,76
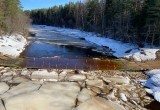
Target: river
51,49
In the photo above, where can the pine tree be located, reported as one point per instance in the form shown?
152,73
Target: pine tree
153,20
126,20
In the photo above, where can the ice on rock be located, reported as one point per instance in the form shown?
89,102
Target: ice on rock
144,54
123,97
153,84
153,72
155,79
156,95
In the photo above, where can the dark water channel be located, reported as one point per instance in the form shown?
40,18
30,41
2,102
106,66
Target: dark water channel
51,49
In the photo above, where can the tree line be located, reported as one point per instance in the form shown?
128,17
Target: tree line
12,18
133,21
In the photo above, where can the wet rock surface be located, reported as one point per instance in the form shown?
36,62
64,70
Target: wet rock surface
31,89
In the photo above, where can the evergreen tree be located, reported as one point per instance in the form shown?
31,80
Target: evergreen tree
134,21
153,21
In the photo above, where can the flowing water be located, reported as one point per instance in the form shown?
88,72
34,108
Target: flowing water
51,49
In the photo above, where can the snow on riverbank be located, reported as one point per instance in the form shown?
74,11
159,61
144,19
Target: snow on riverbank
120,49
143,54
12,45
153,83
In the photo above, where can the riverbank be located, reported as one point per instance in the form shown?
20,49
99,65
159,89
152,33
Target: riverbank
21,89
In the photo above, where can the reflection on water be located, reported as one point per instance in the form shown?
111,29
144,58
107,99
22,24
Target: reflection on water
153,106
39,50
51,49
67,63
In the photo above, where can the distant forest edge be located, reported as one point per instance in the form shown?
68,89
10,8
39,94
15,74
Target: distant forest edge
133,21
12,18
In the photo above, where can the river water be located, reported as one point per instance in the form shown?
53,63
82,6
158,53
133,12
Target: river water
52,49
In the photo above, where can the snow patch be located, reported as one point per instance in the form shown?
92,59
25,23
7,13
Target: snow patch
153,72
144,54
153,83
123,97
12,45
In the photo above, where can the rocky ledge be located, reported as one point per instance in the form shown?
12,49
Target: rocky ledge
29,89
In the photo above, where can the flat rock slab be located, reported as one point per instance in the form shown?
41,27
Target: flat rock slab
77,78
96,83
118,79
97,103
5,78
1,105
85,94
19,80
50,96
22,88
44,75
3,87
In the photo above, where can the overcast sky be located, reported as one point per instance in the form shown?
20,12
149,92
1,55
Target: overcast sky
35,4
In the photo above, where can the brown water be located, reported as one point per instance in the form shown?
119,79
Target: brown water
51,49
68,63
153,106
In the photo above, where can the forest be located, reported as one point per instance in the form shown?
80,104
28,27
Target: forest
133,21
12,17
